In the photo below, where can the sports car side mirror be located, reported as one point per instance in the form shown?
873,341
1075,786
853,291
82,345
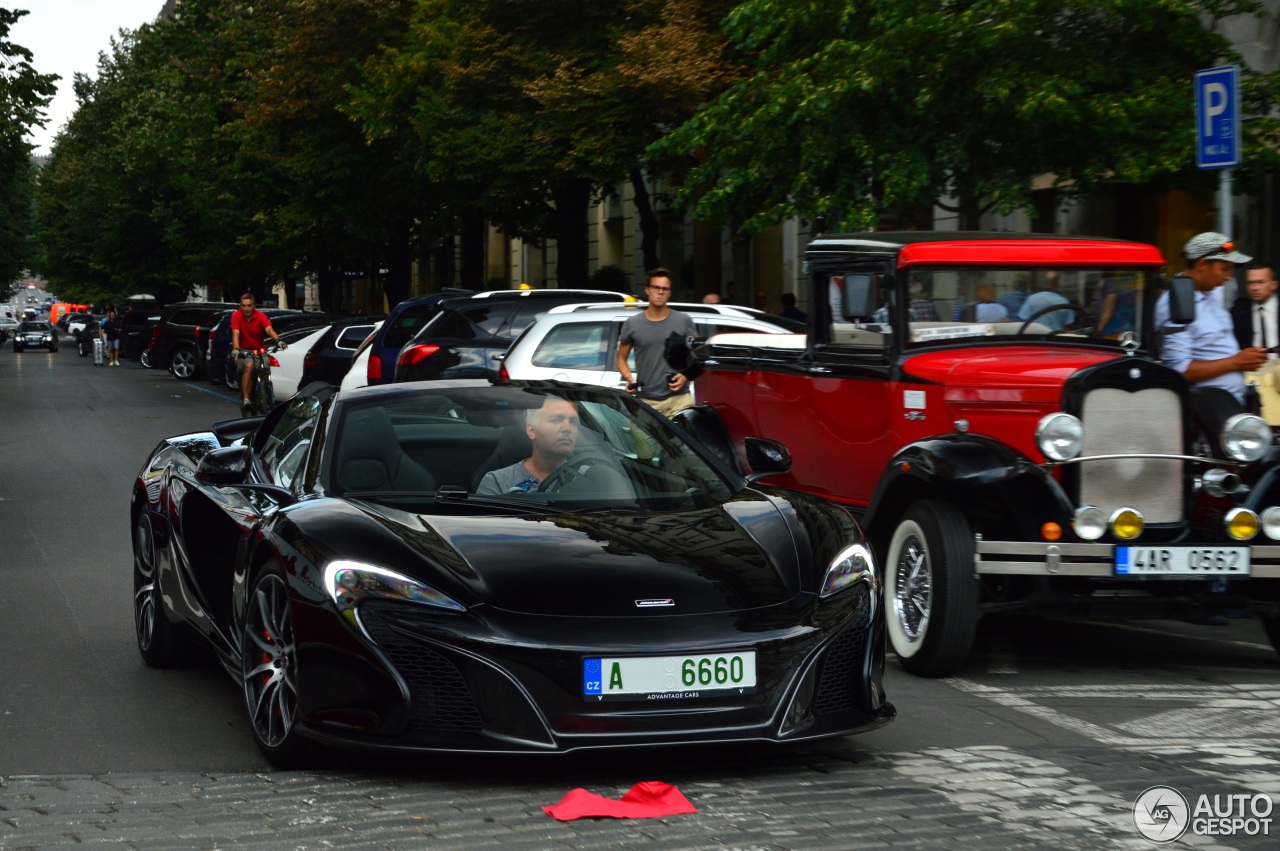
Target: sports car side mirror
228,465
766,457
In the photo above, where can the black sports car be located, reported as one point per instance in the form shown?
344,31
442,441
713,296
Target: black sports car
405,567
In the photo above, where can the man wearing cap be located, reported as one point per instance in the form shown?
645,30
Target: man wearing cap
1206,352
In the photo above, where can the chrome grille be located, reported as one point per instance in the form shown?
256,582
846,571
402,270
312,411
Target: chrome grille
1118,423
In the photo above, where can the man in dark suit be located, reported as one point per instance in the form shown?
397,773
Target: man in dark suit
1254,316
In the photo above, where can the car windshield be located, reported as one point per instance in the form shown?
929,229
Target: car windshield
451,449
943,304
35,326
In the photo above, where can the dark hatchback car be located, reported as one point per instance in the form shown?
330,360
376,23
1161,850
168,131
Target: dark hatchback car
408,317
220,368
462,337
330,357
173,345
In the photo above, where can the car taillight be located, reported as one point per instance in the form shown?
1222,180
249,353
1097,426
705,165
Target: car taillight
503,375
374,370
309,359
416,354
273,360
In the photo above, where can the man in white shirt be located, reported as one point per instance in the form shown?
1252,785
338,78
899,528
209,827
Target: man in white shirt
1255,317
1206,352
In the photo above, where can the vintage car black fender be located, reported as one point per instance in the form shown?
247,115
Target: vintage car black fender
1003,492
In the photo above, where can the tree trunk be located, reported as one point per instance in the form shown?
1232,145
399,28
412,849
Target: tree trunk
399,264
572,199
473,232
650,226
329,289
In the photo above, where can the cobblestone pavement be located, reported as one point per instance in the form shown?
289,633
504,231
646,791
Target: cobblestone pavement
833,797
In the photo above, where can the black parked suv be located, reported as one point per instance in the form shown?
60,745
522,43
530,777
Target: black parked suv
331,355
463,335
173,344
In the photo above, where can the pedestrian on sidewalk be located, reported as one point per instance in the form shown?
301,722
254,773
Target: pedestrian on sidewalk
110,331
655,381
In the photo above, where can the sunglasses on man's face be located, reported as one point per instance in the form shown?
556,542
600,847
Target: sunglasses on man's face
661,289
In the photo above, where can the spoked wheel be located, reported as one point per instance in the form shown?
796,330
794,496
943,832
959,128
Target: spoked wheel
159,640
145,358
931,595
270,670
183,364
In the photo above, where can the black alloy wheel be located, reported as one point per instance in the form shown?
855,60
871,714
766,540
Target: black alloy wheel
159,640
269,670
145,359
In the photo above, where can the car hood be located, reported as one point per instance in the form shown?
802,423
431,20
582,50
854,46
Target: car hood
737,556
1011,372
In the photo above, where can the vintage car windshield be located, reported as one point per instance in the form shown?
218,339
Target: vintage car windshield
944,304
430,450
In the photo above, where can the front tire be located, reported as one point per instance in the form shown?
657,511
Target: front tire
183,364
145,359
159,640
269,670
931,595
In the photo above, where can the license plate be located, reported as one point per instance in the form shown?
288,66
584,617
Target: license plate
1182,561
667,677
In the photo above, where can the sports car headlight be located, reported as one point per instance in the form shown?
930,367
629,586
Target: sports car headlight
1060,436
1246,437
852,564
349,582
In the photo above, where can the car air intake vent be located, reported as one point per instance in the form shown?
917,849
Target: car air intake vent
840,666
1117,422
440,699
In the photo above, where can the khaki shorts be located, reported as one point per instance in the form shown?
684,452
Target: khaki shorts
671,405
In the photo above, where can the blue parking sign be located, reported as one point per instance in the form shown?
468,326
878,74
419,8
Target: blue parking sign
1218,117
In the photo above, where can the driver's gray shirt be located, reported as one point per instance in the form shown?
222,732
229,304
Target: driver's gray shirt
505,480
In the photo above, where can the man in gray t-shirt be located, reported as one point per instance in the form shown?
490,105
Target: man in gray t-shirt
553,433
654,380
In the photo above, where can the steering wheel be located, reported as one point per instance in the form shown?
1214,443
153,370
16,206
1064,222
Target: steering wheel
569,471
1066,305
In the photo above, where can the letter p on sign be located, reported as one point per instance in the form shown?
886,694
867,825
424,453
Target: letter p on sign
1218,117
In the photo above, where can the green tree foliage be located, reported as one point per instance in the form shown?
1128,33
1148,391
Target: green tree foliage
525,110
858,108
24,94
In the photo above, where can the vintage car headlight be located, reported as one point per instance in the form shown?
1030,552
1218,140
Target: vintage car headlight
1090,522
1126,523
852,564
1242,524
1060,436
349,582
1271,522
1246,437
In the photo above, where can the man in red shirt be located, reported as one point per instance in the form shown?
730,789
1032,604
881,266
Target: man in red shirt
249,330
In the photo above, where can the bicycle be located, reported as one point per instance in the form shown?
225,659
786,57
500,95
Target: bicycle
262,397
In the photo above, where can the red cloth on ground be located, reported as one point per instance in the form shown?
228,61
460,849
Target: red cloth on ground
650,799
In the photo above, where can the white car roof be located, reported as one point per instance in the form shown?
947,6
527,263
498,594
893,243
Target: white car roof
630,308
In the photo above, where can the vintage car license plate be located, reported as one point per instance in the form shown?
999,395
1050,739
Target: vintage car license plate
662,677
1182,561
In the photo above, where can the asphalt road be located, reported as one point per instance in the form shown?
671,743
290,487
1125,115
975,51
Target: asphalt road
1045,739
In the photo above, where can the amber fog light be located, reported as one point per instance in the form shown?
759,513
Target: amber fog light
1090,523
1126,524
1271,523
1242,524
1051,531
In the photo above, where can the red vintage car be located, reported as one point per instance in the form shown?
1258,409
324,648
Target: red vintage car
992,408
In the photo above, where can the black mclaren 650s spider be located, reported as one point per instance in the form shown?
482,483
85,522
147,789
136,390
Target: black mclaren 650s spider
501,566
